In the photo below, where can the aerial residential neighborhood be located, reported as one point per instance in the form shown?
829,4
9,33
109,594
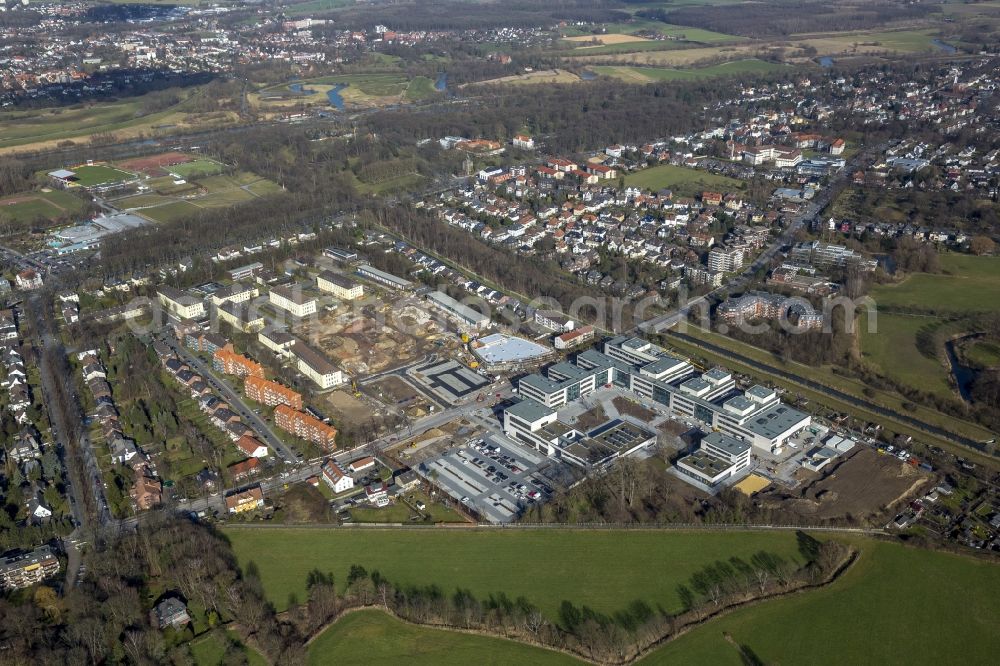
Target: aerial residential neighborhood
431,331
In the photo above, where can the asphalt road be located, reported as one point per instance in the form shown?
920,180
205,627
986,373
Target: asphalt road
234,399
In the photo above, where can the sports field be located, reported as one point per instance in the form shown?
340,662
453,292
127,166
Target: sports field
98,174
26,207
169,202
968,284
896,605
196,168
373,637
603,569
682,180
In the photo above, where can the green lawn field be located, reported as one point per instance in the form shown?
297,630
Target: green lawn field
373,637
970,284
984,353
170,212
196,168
314,6
368,85
650,74
420,87
210,650
97,174
893,348
603,569
30,206
679,32
682,180
896,605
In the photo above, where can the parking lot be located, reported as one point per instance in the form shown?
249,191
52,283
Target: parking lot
493,476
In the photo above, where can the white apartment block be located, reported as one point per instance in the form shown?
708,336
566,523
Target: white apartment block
293,300
342,287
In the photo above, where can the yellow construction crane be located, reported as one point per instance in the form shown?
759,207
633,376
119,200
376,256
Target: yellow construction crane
354,387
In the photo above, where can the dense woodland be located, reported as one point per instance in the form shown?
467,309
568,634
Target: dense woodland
105,619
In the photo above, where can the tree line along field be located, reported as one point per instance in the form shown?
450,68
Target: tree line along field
895,605
682,180
605,570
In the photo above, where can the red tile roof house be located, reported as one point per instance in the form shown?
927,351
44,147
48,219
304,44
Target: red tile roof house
252,447
244,469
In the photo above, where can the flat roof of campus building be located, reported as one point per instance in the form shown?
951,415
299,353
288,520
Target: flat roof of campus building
529,410
500,348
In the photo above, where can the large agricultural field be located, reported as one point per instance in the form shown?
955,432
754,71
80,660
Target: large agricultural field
547,76
651,74
681,180
373,637
39,129
603,569
796,48
896,605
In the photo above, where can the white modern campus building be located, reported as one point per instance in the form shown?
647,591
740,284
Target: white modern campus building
539,427
718,459
755,416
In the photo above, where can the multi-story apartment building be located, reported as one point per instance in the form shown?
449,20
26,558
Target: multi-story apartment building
271,393
240,316
764,305
227,361
315,366
291,299
19,571
725,259
823,254
180,303
340,286
305,426
235,293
